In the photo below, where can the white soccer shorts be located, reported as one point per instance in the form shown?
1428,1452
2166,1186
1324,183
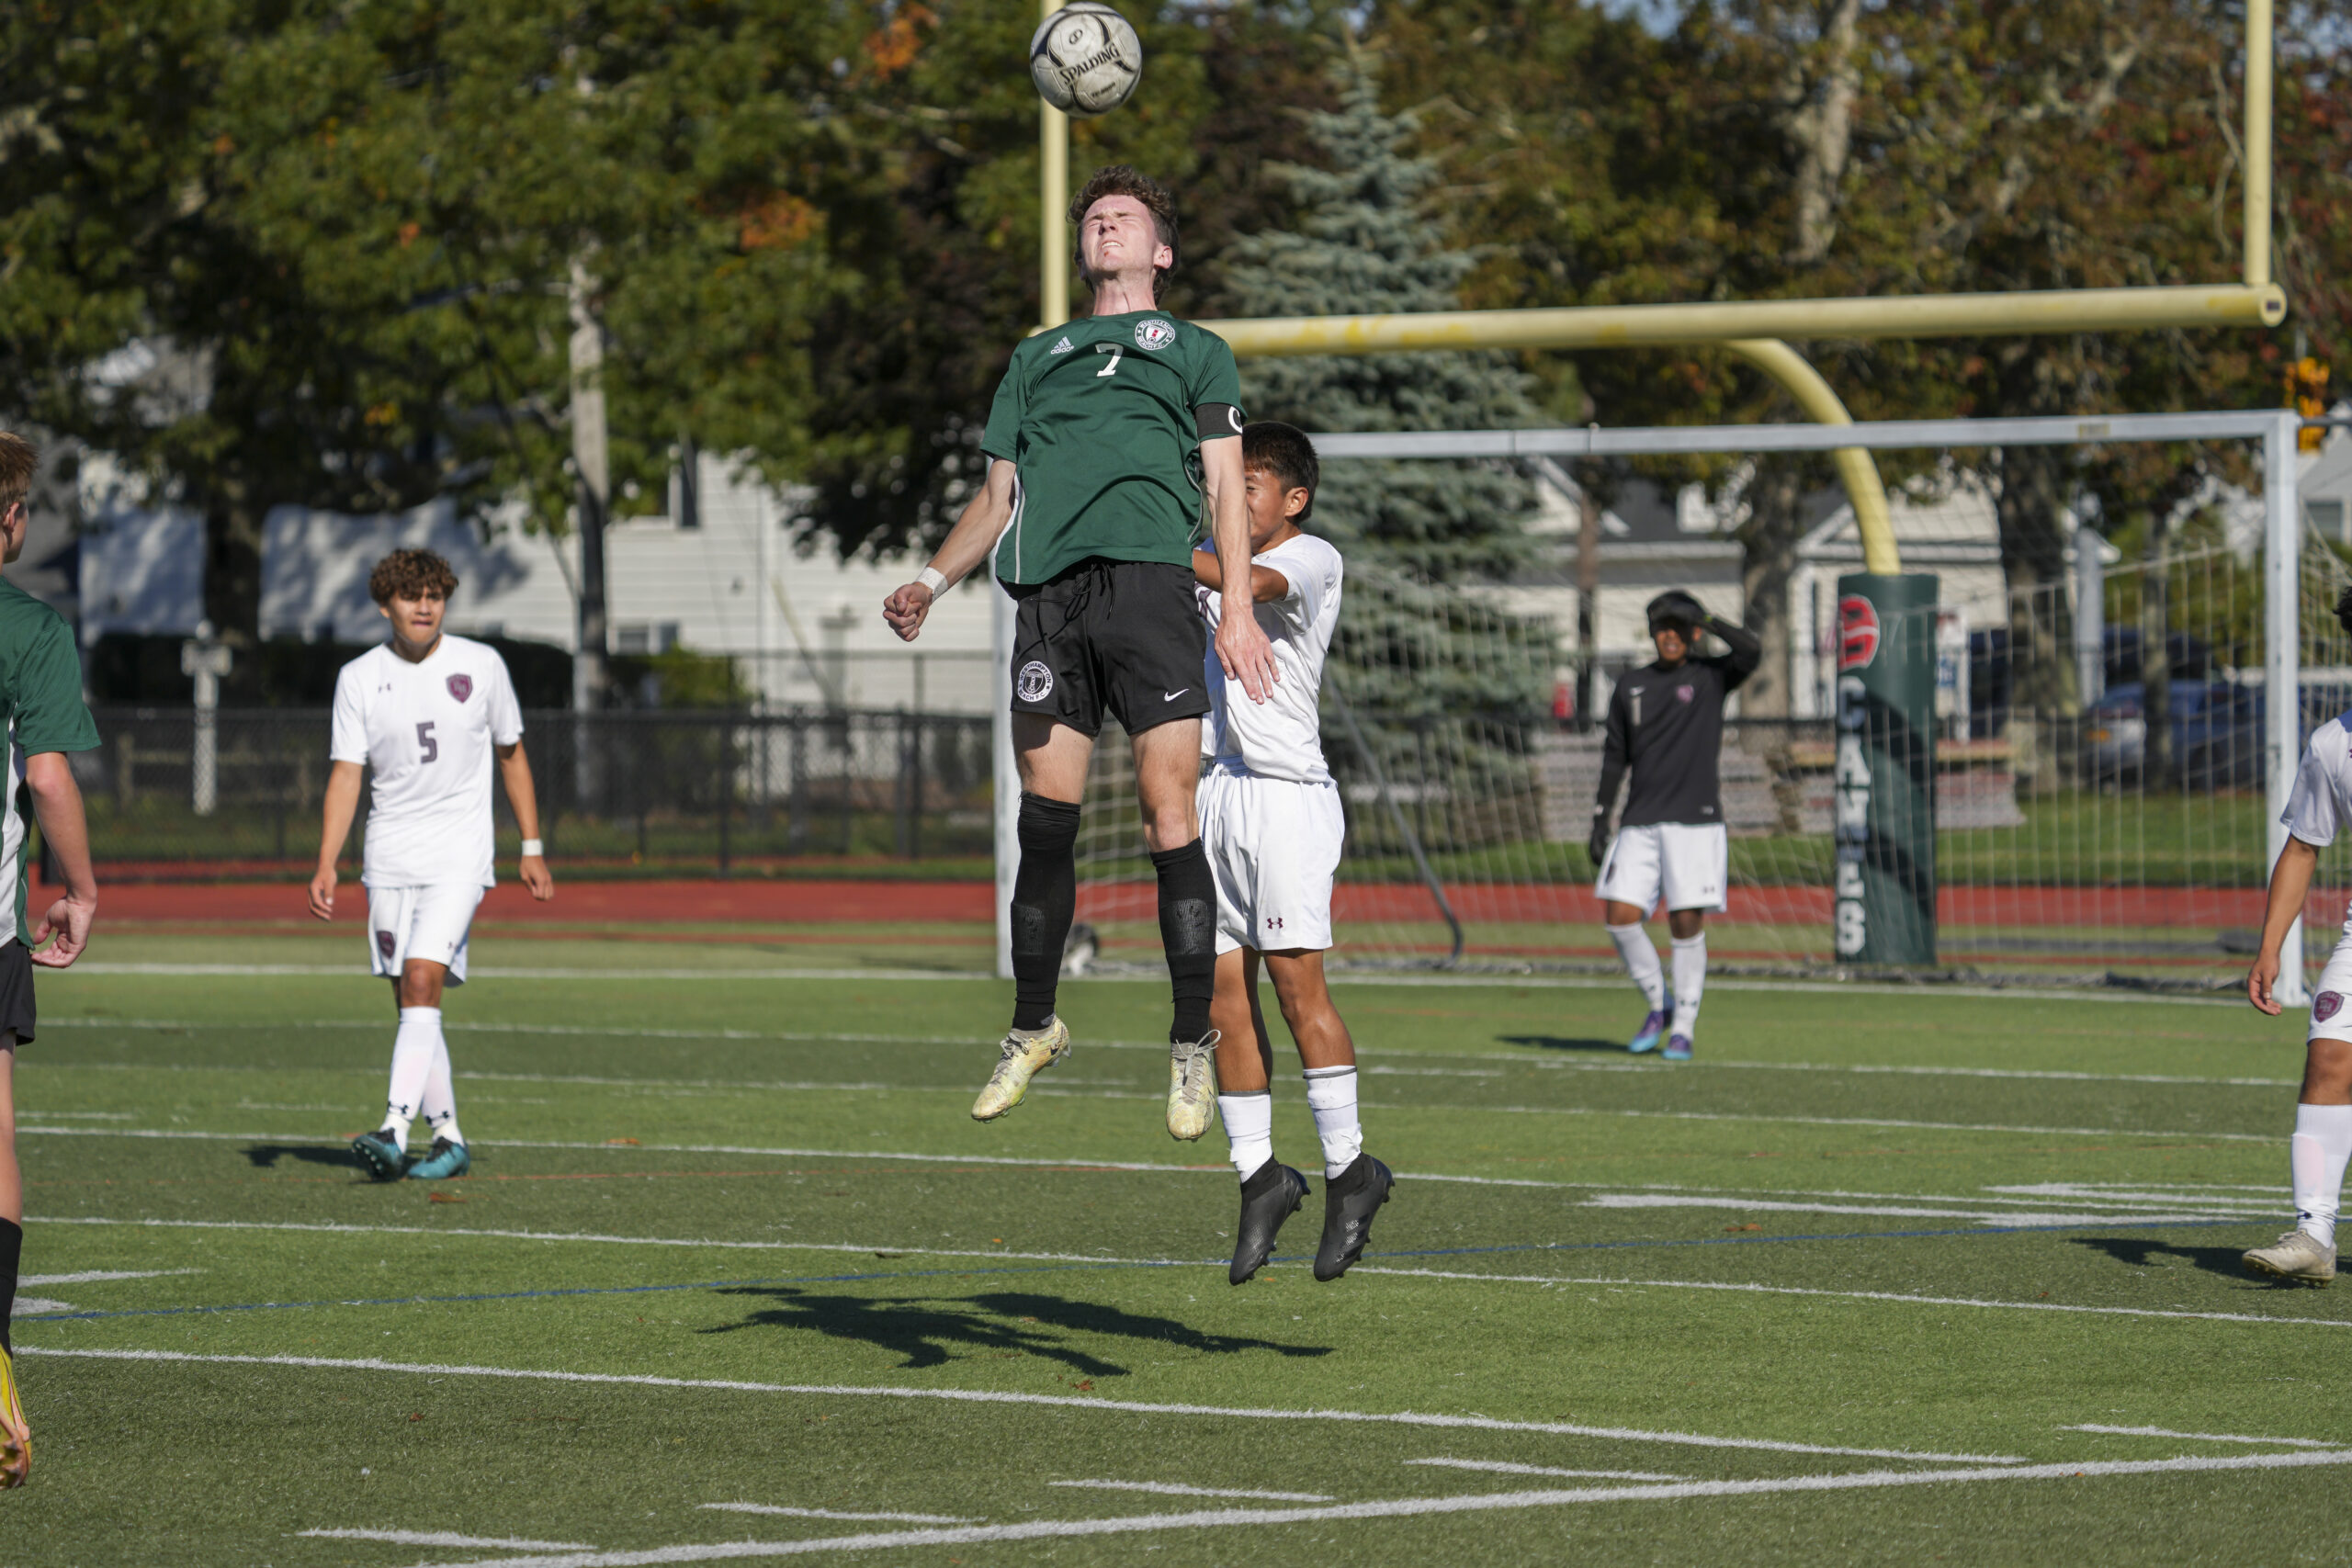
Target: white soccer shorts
421,922
1686,863
1273,847
2330,1015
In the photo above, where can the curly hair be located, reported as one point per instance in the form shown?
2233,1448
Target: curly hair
1119,179
17,462
411,574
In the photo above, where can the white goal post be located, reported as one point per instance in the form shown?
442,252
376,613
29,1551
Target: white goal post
2280,587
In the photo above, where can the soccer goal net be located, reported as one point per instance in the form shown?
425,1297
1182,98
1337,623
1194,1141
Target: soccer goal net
2102,781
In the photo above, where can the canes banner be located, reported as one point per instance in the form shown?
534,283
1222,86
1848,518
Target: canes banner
1885,777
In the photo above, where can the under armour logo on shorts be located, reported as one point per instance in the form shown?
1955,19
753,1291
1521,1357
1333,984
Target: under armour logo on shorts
1036,683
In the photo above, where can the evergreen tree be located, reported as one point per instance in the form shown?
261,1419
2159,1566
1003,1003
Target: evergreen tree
1366,243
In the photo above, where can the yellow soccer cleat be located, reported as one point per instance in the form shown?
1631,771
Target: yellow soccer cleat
2296,1259
1025,1052
1192,1086
16,1437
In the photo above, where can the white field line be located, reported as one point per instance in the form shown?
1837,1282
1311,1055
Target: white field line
1861,1296
691,1241
2202,1436
1170,1489
1337,977
1405,1507
1839,1121
2134,1192
2118,1195
74,1115
2003,1217
1056,1401
446,1538
837,1514
94,1276
1504,1467
789,1036
36,1306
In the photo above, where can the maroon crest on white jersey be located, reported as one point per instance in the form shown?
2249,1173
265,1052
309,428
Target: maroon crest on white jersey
462,686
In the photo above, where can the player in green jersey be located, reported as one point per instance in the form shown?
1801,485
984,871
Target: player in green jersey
40,704
1089,513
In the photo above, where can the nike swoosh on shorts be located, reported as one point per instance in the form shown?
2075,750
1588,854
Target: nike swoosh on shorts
1172,696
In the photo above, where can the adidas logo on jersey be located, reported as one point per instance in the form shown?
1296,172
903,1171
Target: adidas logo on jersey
1062,347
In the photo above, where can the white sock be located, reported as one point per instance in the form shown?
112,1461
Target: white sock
1689,979
1249,1118
412,1049
1640,962
1331,1095
440,1100
2315,1158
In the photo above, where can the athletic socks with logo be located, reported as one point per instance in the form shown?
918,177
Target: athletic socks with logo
1331,1095
439,1102
1045,900
414,1048
11,1252
1641,962
2316,1159
1188,930
1249,1118
1689,979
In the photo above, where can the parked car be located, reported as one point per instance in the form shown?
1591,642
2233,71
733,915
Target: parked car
2218,731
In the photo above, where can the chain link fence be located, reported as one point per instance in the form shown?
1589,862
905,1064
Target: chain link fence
685,792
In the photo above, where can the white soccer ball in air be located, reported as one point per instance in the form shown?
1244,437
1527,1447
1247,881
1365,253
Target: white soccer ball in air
1086,59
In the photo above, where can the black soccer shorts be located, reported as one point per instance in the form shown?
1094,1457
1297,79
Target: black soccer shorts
1118,635
17,991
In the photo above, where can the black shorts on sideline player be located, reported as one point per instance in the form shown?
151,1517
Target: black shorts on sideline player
17,990
1118,635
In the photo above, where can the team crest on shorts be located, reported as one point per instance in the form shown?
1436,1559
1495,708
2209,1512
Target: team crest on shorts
385,943
1035,683
1155,335
2324,1006
462,686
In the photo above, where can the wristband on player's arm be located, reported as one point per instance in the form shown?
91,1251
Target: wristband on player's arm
931,577
534,847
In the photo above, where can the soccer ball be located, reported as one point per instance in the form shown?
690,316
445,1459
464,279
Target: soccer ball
1085,58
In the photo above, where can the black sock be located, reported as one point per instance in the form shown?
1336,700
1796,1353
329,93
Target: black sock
12,1247
1045,899
1188,930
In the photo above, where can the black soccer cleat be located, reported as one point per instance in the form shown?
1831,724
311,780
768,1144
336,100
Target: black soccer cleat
1349,1200
1272,1195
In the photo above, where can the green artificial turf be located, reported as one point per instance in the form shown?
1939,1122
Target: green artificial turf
694,1165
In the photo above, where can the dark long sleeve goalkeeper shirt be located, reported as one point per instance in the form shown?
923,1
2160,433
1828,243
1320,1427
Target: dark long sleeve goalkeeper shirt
1665,725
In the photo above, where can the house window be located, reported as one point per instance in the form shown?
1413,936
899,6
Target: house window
645,637
2328,516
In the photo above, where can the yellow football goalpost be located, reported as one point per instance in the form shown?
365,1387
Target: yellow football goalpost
1759,330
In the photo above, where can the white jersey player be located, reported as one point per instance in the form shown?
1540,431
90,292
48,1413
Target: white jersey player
1272,824
2320,807
427,714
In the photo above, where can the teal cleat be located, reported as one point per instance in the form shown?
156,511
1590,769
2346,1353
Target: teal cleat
379,1155
444,1161
1653,1029
1678,1048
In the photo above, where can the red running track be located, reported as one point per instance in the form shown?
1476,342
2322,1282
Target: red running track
782,902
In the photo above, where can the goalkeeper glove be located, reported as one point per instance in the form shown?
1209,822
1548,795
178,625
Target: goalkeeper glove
1596,846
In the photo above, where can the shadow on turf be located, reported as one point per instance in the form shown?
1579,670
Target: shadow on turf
2143,1252
1561,1042
926,1332
266,1157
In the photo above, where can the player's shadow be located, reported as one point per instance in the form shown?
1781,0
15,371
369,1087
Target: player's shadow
1562,1043
2143,1252
266,1157
927,1334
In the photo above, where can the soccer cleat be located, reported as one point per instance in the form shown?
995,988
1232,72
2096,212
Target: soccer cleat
1272,1195
1349,1200
1024,1052
16,1434
382,1158
1653,1029
446,1160
1678,1048
1192,1086
2295,1256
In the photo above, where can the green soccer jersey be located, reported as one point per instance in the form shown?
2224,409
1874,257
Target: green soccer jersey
41,699
1099,417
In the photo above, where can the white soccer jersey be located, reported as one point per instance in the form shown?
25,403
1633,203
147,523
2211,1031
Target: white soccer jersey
1281,738
427,731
